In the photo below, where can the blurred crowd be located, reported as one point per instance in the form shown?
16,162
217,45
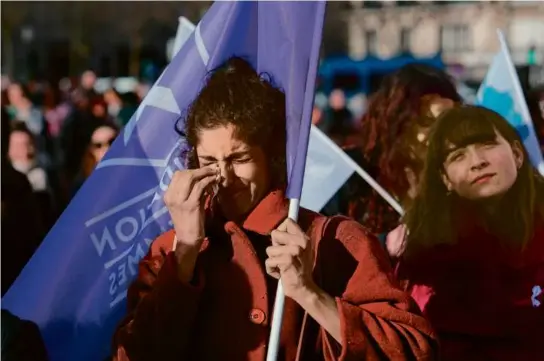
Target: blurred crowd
52,139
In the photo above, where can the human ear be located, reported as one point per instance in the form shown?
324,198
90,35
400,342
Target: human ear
446,181
519,157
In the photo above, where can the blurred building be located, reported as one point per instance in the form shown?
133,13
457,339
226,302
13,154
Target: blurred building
116,38
121,38
464,32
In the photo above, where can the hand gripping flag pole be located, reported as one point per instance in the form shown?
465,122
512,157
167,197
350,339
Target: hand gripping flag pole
298,161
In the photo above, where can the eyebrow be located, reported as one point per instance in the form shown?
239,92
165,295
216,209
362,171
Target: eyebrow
466,143
233,155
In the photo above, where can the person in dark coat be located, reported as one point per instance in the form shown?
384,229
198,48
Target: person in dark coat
472,253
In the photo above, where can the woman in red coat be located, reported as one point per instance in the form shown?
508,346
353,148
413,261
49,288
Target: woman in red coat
473,258
206,289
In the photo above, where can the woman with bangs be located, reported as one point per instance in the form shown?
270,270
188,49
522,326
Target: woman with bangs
473,255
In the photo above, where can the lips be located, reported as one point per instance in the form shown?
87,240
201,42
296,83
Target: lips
482,178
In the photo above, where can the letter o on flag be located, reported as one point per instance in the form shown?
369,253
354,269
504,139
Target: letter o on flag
119,229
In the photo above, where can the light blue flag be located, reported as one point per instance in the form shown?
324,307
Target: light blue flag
327,169
75,286
501,91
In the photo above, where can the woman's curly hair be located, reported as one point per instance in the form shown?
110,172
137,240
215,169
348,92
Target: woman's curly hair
389,131
235,94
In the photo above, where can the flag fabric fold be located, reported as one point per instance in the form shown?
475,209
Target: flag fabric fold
501,91
326,171
75,285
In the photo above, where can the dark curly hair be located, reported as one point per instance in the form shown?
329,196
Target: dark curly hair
436,217
389,131
235,94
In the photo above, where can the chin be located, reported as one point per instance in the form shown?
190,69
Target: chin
233,211
488,194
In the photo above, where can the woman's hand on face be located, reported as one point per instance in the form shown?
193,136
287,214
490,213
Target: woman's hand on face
290,259
185,199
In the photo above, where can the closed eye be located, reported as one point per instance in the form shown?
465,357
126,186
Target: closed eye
242,160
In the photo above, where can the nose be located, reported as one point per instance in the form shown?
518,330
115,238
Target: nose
477,159
227,174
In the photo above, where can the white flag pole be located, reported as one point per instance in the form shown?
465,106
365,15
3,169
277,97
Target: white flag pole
279,302
294,203
378,188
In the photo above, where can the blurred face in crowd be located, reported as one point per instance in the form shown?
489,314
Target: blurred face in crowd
15,93
337,99
99,110
484,169
110,97
316,116
88,79
101,141
21,147
243,169
432,106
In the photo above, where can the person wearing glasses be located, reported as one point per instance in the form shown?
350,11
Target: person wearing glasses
101,139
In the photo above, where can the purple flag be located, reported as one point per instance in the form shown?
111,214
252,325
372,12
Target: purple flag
75,286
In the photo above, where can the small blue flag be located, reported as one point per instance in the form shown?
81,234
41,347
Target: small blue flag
501,91
75,286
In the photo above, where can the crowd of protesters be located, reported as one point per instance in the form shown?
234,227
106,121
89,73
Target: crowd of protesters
52,138
475,215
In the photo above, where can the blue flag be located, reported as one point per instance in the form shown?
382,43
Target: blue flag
501,91
75,286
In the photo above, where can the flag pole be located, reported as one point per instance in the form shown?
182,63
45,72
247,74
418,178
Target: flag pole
357,168
518,91
275,331
294,203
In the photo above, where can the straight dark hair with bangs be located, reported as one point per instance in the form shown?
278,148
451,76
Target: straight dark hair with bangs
435,216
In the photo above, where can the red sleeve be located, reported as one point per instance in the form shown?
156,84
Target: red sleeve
161,310
378,320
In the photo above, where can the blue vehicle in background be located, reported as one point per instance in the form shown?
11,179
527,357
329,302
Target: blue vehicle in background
360,78
364,76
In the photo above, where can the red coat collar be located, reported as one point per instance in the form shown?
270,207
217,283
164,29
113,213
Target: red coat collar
263,219
268,213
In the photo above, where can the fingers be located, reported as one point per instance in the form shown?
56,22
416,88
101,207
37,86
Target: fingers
200,173
291,227
198,189
276,265
182,183
284,238
272,269
277,251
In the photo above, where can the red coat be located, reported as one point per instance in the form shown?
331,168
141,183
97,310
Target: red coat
486,302
227,315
